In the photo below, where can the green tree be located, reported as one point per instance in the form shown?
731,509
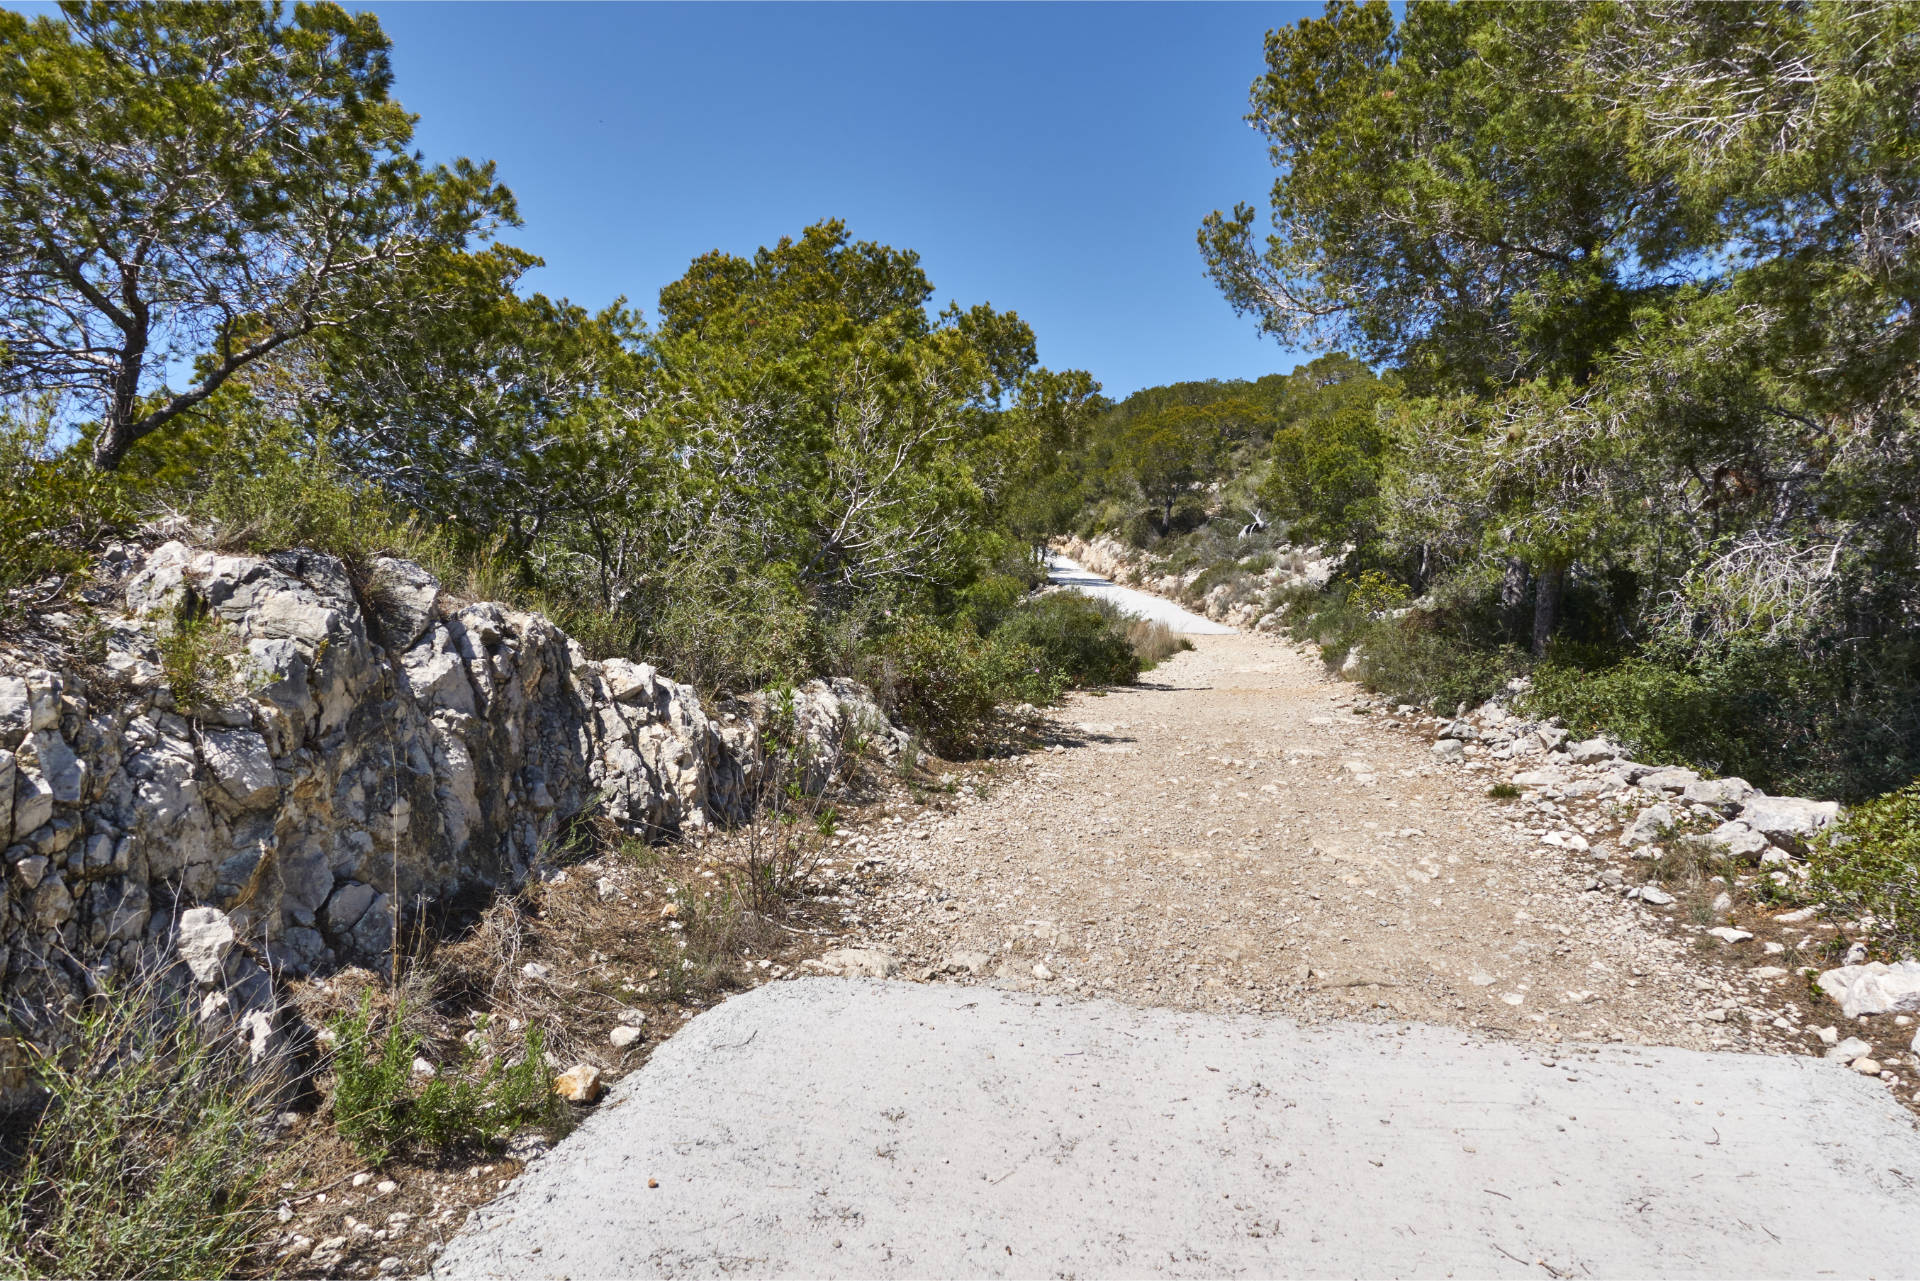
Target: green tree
199,186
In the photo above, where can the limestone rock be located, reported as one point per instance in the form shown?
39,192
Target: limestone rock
579,1084
1739,840
1648,826
1668,780
1449,749
1722,794
1588,751
203,942
860,963
1875,988
1788,820
242,766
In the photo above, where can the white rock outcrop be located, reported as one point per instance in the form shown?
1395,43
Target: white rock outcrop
344,751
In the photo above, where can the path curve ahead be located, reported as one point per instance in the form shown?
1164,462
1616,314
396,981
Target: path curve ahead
1062,572
837,1127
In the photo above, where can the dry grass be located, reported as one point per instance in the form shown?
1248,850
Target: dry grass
1155,642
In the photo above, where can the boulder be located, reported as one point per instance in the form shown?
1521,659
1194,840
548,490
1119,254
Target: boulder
1738,840
1672,779
1722,794
1788,820
1876,988
1587,751
1648,826
1449,749
1539,778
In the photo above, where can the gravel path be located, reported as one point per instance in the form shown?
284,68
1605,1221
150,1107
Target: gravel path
1228,835
1432,1016
835,1127
1062,572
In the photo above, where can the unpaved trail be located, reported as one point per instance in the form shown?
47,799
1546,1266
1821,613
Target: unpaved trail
1230,980
1226,835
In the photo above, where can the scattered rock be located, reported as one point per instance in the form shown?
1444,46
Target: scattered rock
860,963
965,963
205,938
1866,1066
1449,749
1849,1050
1652,894
1672,779
1648,826
579,1084
1728,934
624,1035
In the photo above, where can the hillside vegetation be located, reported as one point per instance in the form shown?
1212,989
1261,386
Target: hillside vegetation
1640,281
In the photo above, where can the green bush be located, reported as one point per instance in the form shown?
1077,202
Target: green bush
1412,662
381,1110
148,1156
947,683
1663,713
1082,640
56,506
1868,864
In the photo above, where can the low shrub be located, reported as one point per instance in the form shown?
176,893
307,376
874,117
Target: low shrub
1082,640
1154,642
56,505
947,684
148,1154
1868,864
381,1109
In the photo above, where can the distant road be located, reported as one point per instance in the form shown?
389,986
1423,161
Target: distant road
1066,573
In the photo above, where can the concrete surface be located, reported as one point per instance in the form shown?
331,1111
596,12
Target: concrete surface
832,1127
1062,572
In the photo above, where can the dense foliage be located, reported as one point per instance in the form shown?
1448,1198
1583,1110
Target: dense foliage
1645,275
798,468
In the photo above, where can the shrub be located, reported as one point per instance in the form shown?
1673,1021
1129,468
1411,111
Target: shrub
148,1156
947,684
1412,662
56,505
1868,864
1082,640
380,1109
1154,642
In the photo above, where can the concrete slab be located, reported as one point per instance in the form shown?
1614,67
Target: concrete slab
834,1127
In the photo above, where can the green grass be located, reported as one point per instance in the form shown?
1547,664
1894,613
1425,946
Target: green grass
149,1154
382,1110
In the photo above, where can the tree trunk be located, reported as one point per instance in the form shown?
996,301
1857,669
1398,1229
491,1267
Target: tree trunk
1513,598
1546,605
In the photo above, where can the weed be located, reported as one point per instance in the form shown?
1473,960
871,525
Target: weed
1154,642
381,1110
194,652
148,1154
1504,792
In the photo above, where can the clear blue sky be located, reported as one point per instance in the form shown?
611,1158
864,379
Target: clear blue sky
1051,159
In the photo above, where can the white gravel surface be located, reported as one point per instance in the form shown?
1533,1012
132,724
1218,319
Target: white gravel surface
1062,572
832,1127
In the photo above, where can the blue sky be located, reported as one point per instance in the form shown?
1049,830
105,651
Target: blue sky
1051,159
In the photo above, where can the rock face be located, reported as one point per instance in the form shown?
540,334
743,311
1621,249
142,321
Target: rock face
268,738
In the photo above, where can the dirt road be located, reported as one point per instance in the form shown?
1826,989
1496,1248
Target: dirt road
1397,1031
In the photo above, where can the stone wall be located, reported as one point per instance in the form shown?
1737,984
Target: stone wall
305,755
